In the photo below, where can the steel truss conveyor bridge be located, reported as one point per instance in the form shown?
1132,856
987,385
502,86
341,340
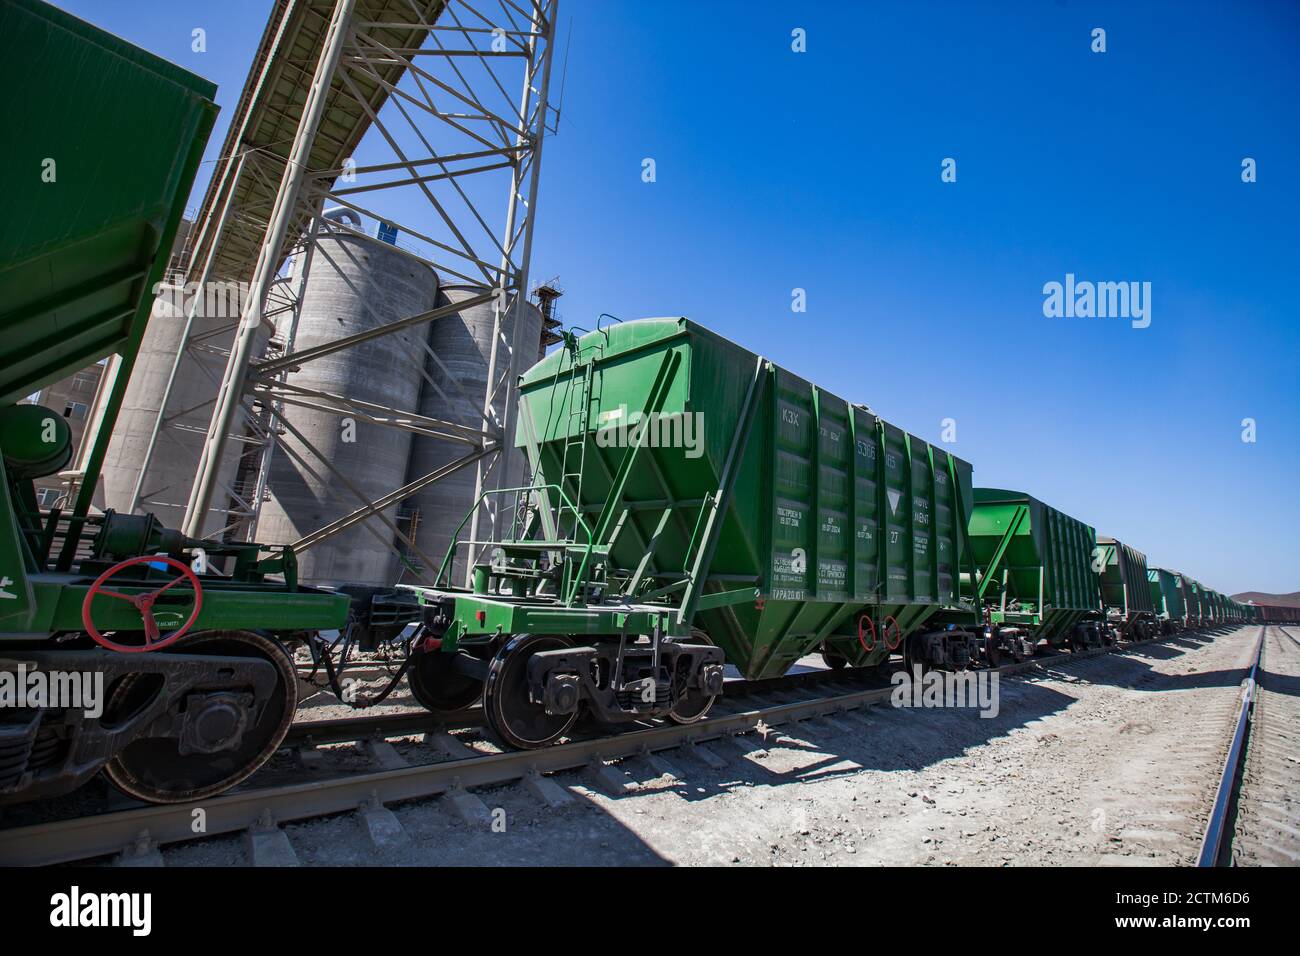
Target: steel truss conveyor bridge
454,97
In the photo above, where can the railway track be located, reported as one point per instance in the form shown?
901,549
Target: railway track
344,729
750,713
1256,818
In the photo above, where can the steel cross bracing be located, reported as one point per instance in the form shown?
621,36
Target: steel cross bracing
454,96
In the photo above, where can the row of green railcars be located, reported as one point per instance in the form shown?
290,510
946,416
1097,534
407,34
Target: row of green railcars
1191,604
1224,610
695,505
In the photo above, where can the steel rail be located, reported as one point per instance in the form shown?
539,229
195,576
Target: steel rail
104,834
1213,844
1288,635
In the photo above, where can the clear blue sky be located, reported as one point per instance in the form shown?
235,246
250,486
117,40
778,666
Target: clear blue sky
821,170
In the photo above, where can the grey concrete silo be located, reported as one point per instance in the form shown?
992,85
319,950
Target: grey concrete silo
355,284
462,342
170,476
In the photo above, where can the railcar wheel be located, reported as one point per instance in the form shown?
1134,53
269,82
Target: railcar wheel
511,715
695,703
438,687
154,770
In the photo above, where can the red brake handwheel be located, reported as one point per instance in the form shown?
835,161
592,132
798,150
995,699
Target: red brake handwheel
153,639
866,619
890,623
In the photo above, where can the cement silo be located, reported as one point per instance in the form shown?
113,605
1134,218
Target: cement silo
165,489
355,284
462,343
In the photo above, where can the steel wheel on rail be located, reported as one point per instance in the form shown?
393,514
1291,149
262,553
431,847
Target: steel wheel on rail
438,687
695,703
511,716
155,770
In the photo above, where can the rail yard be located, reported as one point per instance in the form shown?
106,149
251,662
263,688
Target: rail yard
378,562
827,729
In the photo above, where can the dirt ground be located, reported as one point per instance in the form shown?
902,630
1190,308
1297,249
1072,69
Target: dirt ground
1107,760
1268,815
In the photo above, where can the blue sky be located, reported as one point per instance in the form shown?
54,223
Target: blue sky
820,170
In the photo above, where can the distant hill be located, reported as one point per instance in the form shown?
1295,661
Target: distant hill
1260,597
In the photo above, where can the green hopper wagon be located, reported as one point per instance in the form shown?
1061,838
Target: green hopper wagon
105,140
694,502
1035,580
1204,614
1209,607
1125,591
1217,611
1167,599
1188,592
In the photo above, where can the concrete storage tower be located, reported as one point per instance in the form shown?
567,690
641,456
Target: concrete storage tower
356,283
462,343
166,487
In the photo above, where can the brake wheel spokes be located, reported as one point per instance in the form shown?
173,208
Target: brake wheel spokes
154,639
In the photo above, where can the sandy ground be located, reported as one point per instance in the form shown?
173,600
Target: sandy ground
1107,760
1268,818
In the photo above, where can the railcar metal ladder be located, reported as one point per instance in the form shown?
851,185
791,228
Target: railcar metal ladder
575,438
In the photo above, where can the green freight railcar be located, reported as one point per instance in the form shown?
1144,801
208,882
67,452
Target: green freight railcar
693,503
1187,593
103,141
1034,576
1209,610
1167,599
1207,604
1218,611
1125,591
1200,605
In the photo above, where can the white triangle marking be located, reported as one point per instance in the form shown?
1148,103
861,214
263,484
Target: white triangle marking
893,496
